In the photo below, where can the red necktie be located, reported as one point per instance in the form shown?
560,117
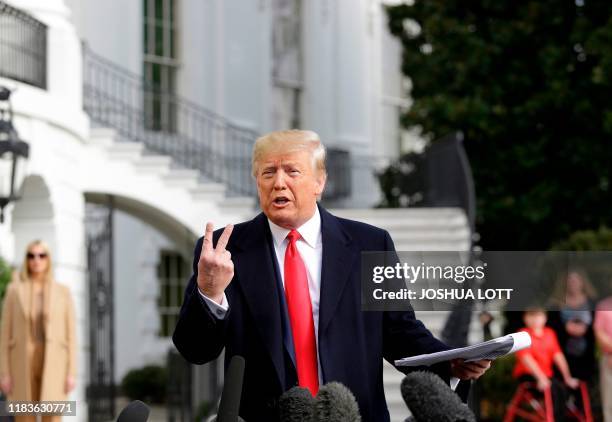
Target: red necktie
300,316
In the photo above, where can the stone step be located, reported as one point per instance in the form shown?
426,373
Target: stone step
208,191
431,233
104,137
157,164
125,150
183,178
237,204
457,245
409,222
353,213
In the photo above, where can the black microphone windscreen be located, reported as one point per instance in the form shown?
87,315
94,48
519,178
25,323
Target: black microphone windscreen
335,402
232,391
296,405
430,399
136,411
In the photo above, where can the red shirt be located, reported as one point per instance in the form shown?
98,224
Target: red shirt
543,349
603,318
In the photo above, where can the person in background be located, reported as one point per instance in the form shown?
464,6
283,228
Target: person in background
536,362
572,319
603,332
283,290
37,334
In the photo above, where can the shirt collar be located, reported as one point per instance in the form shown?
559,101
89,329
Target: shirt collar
309,231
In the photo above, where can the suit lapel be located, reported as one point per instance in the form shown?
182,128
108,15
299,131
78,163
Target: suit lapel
338,258
256,275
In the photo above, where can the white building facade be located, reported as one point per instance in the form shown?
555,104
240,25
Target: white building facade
150,107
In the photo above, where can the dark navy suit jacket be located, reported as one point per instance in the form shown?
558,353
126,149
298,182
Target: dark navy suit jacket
351,343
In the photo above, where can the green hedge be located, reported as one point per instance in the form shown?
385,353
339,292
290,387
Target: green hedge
147,384
5,277
587,240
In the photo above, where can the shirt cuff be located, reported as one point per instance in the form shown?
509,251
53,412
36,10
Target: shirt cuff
218,310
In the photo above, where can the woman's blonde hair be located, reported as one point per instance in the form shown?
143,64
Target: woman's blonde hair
24,275
289,141
560,289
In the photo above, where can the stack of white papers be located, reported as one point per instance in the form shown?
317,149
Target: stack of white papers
491,350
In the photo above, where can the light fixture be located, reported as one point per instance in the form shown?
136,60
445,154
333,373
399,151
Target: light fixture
13,152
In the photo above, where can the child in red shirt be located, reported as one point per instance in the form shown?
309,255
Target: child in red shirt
536,362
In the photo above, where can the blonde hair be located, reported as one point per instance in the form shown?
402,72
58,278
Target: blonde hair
289,141
559,293
24,275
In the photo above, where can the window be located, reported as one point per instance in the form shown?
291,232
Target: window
286,63
172,273
160,64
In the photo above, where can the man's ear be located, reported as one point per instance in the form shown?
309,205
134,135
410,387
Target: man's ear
321,179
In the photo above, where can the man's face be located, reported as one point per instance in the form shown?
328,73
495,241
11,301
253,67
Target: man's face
288,187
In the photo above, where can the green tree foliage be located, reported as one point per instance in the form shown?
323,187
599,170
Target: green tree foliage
402,182
587,240
529,84
147,384
5,277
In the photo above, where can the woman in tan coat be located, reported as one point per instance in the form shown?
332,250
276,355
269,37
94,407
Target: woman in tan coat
37,334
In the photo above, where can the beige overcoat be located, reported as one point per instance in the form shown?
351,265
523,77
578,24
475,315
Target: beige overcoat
16,344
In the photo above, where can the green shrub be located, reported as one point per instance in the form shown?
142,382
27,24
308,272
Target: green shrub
204,410
402,182
147,384
587,240
586,243
5,277
497,387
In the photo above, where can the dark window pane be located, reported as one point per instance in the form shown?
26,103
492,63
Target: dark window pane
159,40
145,38
159,9
171,34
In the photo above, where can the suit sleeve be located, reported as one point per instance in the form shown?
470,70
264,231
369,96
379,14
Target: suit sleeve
404,335
199,336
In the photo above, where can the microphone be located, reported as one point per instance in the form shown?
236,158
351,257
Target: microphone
335,402
232,391
430,399
136,411
296,405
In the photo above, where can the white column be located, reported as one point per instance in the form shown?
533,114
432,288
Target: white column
7,239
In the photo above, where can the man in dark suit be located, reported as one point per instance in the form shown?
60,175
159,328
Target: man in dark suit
283,291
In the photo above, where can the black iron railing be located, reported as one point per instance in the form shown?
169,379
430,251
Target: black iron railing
23,47
194,137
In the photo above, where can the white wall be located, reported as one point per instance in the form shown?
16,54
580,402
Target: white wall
137,247
112,29
246,49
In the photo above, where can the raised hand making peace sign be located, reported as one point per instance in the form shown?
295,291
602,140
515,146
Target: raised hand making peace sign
215,266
